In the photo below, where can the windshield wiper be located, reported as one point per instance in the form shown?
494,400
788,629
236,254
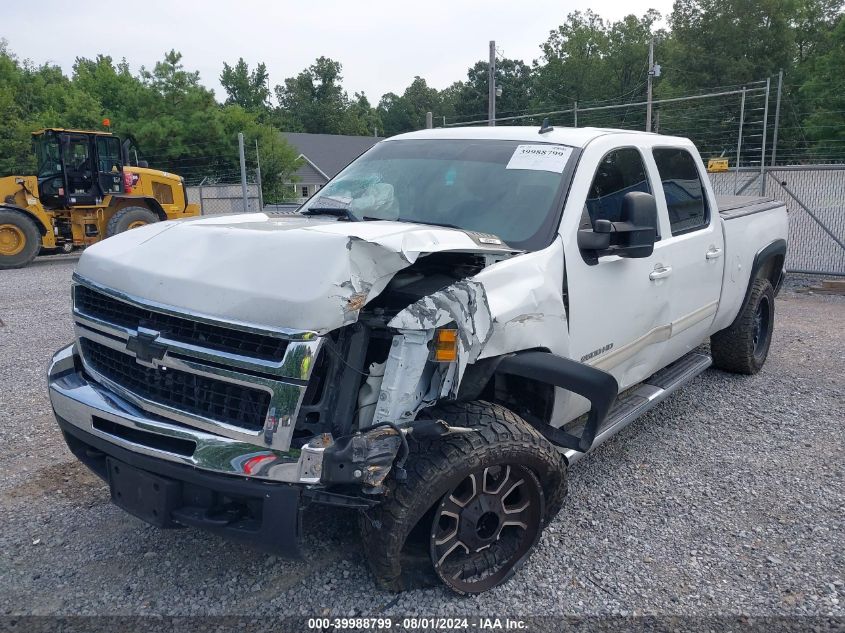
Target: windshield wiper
443,224
338,212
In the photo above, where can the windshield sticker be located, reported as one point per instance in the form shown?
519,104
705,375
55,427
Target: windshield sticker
540,158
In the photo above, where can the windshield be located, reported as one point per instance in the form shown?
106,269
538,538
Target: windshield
47,155
506,188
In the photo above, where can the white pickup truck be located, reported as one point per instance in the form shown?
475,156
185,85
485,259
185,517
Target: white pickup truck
433,339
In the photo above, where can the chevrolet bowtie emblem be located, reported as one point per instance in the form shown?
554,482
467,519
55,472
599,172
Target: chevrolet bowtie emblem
143,344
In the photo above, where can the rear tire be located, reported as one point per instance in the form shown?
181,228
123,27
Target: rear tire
20,239
501,451
129,218
743,347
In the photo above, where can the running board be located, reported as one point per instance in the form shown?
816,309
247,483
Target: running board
646,396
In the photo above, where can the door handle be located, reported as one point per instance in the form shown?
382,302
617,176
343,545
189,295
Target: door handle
660,272
713,253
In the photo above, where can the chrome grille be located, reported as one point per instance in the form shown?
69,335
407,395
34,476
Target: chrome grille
225,402
233,380
101,306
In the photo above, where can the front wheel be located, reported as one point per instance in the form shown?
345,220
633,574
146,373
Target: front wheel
743,347
20,240
485,526
473,505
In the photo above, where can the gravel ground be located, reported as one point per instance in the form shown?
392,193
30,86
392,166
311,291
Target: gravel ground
727,498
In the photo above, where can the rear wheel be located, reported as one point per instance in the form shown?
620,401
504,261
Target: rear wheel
743,347
129,218
20,239
472,507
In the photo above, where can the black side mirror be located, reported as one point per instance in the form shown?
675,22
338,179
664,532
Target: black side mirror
596,239
639,211
633,236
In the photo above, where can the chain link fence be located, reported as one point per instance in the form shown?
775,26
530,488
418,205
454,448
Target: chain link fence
815,198
220,198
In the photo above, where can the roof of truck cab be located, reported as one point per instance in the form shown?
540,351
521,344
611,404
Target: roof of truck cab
73,131
572,136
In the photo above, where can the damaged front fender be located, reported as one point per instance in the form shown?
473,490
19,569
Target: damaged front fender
463,304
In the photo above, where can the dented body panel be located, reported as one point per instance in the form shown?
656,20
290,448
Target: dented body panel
287,273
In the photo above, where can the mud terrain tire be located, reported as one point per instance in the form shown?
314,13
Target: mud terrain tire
496,436
743,347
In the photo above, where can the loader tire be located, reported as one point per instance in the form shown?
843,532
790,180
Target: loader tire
743,347
20,239
129,218
497,465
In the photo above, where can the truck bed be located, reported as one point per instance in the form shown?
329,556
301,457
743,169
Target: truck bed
731,207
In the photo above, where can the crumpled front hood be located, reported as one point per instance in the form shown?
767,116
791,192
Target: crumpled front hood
280,272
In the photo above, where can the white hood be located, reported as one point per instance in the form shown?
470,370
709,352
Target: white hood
280,272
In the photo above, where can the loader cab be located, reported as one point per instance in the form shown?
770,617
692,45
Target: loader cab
77,168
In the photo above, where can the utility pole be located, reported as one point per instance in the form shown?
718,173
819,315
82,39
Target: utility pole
258,177
243,170
777,119
575,114
653,71
491,85
649,80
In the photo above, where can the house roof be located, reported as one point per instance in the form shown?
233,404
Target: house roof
329,153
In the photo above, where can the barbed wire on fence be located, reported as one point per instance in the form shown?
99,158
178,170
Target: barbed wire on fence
760,131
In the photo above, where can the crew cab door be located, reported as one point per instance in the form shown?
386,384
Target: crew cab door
693,247
618,307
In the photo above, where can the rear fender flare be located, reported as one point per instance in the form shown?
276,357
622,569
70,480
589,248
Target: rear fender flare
773,254
41,228
152,204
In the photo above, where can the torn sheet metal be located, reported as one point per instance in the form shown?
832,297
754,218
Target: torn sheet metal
526,300
285,273
465,304
509,306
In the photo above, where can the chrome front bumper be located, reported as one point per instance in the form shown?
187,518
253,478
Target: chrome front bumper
100,412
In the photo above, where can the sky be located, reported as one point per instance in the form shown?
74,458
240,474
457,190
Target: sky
382,44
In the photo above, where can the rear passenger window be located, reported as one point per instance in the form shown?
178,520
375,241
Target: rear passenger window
619,172
682,188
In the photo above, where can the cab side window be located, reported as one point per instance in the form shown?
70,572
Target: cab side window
619,172
108,152
683,189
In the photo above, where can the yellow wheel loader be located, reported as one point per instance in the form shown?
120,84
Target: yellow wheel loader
88,186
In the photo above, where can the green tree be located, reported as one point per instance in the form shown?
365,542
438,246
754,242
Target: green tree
315,101
248,89
824,96
279,160
727,42
120,94
470,96
408,112
366,117
573,64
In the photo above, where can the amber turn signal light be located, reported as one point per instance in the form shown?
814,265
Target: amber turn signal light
446,346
